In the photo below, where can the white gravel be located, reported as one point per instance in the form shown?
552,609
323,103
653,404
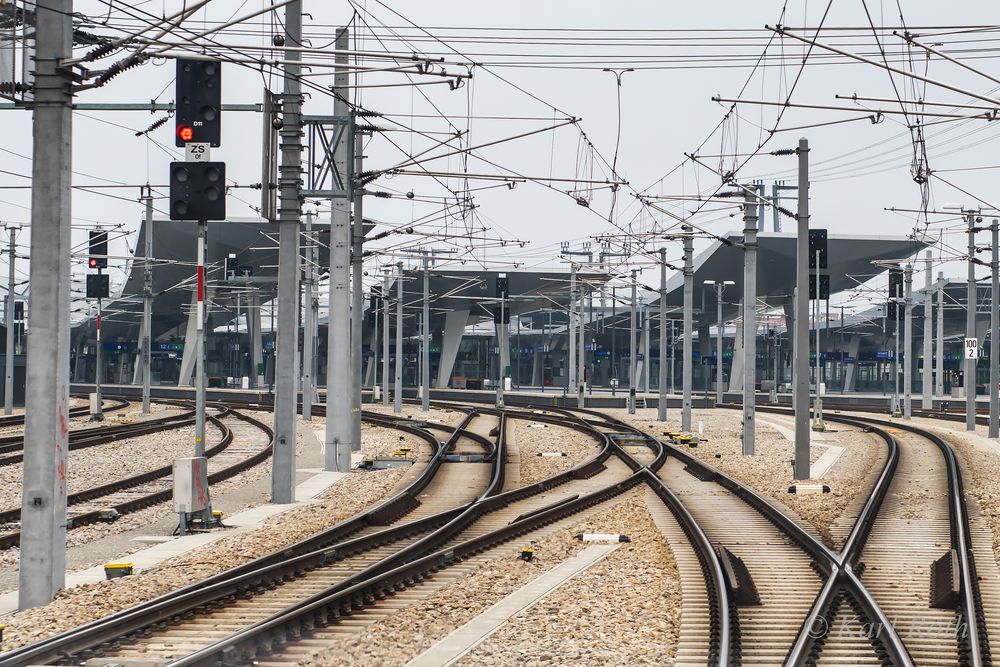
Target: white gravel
85,603
588,620
623,610
769,471
535,438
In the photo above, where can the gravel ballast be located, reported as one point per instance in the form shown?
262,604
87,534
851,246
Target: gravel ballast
770,472
92,601
536,438
603,607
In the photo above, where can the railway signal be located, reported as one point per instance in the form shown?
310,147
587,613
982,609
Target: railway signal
198,115
198,191
98,249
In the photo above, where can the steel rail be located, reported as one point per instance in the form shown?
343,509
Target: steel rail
265,571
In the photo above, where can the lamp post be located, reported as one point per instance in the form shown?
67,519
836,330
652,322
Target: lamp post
720,286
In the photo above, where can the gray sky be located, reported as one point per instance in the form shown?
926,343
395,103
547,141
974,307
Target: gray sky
683,53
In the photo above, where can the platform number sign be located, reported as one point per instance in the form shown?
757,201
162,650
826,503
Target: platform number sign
971,348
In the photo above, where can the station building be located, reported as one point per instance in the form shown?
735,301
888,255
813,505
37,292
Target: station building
471,348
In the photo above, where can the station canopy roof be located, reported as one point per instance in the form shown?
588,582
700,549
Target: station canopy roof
475,290
254,243
852,260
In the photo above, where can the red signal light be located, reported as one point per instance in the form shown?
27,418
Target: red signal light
185,133
93,262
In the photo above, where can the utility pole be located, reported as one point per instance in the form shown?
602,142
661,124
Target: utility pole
800,342
970,329
939,337
501,328
907,341
308,389
994,428
645,348
688,351
633,350
749,323
425,340
397,402
385,337
199,345
289,213
718,342
661,403
927,382
897,349
43,510
673,354
571,330
818,424
147,304
339,425
98,408
581,369
8,318
357,302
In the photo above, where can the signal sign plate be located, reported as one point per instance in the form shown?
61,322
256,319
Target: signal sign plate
197,152
971,348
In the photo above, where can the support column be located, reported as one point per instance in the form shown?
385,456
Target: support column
503,341
645,350
907,341
8,319
571,329
939,338
308,324
633,350
147,303
927,374
970,329
994,424
749,325
686,372
357,295
736,365
289,211
425,341
397,394
581,372
339,427
43,510
789,308
800,348
385,336
454,326
256,338
850,370
661,405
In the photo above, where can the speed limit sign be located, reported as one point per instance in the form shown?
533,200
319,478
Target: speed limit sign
971,348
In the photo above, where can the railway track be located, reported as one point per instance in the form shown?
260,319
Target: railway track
111,405
447,542
11,447
873,590
108,502
915,515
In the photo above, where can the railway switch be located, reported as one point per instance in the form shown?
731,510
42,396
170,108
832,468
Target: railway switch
945,584
738,579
